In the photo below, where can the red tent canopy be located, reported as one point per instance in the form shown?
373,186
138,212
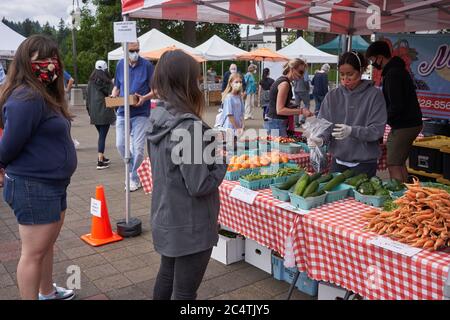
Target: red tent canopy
336,16
214,11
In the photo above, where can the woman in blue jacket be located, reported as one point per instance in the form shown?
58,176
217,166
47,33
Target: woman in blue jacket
39,157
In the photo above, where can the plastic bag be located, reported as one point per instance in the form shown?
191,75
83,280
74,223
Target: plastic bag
314,127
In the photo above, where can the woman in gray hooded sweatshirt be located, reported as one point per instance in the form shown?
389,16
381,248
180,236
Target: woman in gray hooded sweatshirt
185,197
358,112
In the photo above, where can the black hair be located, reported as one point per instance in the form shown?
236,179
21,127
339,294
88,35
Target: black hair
379,47
355,59
265,74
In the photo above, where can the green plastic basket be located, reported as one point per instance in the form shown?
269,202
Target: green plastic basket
397,194
286,178
279,194
256,184
235,175
376,201
307,203
290,148
338,193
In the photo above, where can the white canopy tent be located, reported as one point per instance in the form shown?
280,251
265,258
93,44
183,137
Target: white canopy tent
153,40
217,49
301,48
11,40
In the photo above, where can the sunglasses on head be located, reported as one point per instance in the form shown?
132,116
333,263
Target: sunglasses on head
132,51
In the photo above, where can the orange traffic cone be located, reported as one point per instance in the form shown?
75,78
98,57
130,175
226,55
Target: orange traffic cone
101,232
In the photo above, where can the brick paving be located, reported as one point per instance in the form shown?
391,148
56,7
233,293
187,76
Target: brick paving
125,269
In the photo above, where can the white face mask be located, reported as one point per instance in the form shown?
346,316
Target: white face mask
134,56
233,70
236,86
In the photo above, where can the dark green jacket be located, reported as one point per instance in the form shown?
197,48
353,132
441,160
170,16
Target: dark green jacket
95,102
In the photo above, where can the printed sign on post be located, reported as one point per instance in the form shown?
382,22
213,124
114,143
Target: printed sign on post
243,194
96,207
125,31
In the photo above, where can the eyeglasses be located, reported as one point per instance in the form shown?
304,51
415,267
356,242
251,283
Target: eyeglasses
133,51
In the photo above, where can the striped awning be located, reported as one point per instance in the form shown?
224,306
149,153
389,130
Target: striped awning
335,16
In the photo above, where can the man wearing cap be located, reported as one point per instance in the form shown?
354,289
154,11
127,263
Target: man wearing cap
140,78
99,87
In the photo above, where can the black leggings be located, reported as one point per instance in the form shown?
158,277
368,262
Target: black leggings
181,275
102,133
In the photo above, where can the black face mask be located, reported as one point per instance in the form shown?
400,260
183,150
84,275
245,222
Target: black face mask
376,65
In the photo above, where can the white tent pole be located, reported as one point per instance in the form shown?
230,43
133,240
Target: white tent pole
126,93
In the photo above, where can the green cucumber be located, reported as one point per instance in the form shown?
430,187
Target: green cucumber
325,178
289,183
348,173
301,185
310,189
356,179
333,183
315,177
316,194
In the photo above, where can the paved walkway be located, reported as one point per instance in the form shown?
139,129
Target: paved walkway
126,269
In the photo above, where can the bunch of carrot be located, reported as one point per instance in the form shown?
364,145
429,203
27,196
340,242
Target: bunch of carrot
422,218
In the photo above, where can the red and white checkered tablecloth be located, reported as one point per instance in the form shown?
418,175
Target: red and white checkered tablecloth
262,221
337,251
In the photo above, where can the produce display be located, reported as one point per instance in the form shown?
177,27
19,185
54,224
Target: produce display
374,186
246,162
420,218
280,173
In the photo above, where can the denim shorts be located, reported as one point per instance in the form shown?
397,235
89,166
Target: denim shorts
34,202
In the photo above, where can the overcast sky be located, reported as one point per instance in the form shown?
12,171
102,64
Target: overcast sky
51,11
40,10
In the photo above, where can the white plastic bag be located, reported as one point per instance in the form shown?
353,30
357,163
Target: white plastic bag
313,128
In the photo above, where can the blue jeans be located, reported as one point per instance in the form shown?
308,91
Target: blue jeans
276,127
318,100
138,131
299,97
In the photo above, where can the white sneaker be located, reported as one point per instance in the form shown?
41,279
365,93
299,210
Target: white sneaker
134,186
59,294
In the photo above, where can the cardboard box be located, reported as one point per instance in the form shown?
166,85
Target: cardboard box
119,101
258,255
229,250
328,291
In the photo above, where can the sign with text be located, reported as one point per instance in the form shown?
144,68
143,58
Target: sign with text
290,207
244,194
395,246
96,207
125,31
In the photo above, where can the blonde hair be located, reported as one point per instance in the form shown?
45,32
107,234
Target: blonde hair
229,88
293,64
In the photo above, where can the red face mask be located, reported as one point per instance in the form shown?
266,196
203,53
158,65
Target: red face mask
46,71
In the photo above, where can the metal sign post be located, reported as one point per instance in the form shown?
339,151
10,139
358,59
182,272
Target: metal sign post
129,227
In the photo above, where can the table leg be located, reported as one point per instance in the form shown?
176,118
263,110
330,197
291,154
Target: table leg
294,281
